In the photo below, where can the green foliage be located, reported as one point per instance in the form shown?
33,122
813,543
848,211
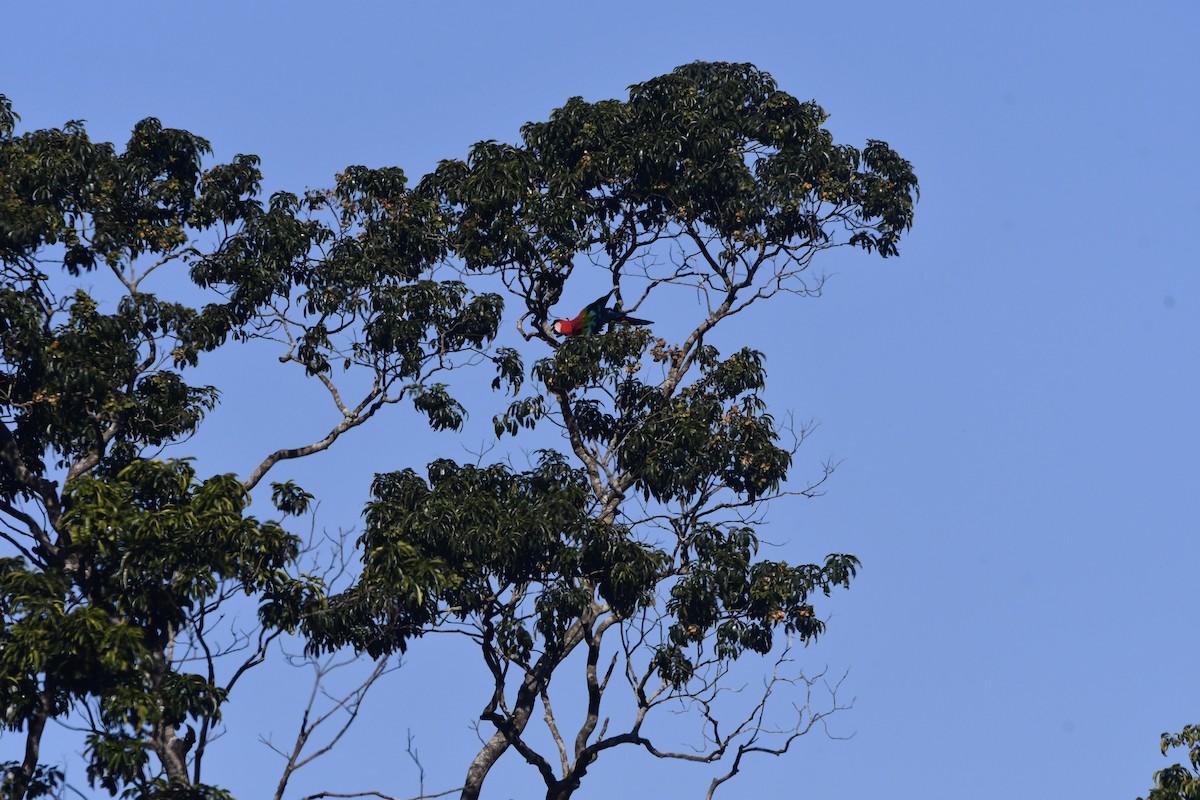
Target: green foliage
482,532
716,148
443,411
116,556
158,543
739,602
45,781
290,498
77,647
117,759
75,380
1177,782
151,546
370,295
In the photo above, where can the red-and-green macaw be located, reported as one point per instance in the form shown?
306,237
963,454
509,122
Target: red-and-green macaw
593,319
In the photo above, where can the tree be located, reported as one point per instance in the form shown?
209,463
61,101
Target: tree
622,559
1177,782
636,545
119,563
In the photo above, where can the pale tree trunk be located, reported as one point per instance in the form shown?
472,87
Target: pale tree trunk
33,744
500,741
509,728
171,750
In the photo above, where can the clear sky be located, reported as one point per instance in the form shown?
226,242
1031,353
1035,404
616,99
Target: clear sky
1014,400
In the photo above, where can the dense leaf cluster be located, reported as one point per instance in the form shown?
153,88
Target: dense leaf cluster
493,538
1177,782
713,149
74,379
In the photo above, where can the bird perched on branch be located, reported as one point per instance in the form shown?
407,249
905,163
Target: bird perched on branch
593,319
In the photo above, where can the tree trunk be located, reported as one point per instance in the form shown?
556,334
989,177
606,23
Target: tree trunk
510,729
482,764
502,739
171,750
33,745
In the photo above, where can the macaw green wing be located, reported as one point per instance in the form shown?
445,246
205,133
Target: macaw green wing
597,305
594,316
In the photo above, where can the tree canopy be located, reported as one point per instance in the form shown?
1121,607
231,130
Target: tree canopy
631,536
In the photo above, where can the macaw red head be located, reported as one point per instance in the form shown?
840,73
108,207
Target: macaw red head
561,326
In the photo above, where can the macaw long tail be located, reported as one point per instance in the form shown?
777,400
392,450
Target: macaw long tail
635,321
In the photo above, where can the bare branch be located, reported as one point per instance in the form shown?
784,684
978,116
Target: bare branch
550,723
383,796
416,759
364,411
349,704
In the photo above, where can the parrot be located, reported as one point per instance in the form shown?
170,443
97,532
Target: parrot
593,319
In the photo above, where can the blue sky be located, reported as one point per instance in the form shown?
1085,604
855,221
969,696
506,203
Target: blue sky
1013,400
